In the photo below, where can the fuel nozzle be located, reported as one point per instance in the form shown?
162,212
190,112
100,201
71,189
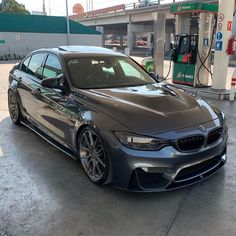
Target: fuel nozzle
173,52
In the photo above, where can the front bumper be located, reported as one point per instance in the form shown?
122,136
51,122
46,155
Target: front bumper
166,169
187,175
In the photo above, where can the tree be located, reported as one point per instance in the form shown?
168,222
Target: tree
12,6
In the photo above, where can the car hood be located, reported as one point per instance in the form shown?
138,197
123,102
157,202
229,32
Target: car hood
150,108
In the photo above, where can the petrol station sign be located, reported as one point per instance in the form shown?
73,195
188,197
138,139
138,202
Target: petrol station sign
219,36
221,17
192,7
219,45
229,25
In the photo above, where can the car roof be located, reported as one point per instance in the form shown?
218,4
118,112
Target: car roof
77,50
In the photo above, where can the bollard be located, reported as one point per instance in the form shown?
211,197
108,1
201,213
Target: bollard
232,90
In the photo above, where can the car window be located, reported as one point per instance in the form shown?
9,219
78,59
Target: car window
106,72
130,70
35,64
52,67
24,65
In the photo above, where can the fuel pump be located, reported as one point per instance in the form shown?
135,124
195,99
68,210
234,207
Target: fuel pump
184,58
191,53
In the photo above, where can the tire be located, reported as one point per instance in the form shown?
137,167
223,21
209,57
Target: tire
14,108
93,156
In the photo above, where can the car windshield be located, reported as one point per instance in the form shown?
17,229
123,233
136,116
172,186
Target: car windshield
106,72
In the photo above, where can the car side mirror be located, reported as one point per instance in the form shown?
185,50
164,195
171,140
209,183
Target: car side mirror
52,83
16,66
155,76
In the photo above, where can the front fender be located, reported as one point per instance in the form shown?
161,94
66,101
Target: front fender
98,120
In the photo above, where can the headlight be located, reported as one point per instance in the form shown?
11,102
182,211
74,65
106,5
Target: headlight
139,142
220,114
222,119
223,123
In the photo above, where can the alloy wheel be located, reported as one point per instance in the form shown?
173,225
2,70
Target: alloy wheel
13,106
92,155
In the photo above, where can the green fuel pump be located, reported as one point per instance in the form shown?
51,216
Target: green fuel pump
185,59
191,52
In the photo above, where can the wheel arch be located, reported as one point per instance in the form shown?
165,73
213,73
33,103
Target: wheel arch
78,132
80,127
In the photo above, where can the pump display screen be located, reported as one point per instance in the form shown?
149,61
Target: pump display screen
184,45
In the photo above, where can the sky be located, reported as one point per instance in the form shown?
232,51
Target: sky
58,7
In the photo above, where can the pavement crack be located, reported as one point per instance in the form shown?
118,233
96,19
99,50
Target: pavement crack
181,203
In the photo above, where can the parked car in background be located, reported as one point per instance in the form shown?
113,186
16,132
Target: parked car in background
141,43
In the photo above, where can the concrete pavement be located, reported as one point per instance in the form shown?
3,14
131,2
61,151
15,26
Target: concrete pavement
44,192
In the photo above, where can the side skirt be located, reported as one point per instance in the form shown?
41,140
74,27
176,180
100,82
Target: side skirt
50,140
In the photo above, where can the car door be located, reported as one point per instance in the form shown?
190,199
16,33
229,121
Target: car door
55,109
29,82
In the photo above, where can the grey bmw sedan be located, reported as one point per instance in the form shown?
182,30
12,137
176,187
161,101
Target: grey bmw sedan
123,125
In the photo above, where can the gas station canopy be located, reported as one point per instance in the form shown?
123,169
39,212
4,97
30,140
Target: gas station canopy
193,7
